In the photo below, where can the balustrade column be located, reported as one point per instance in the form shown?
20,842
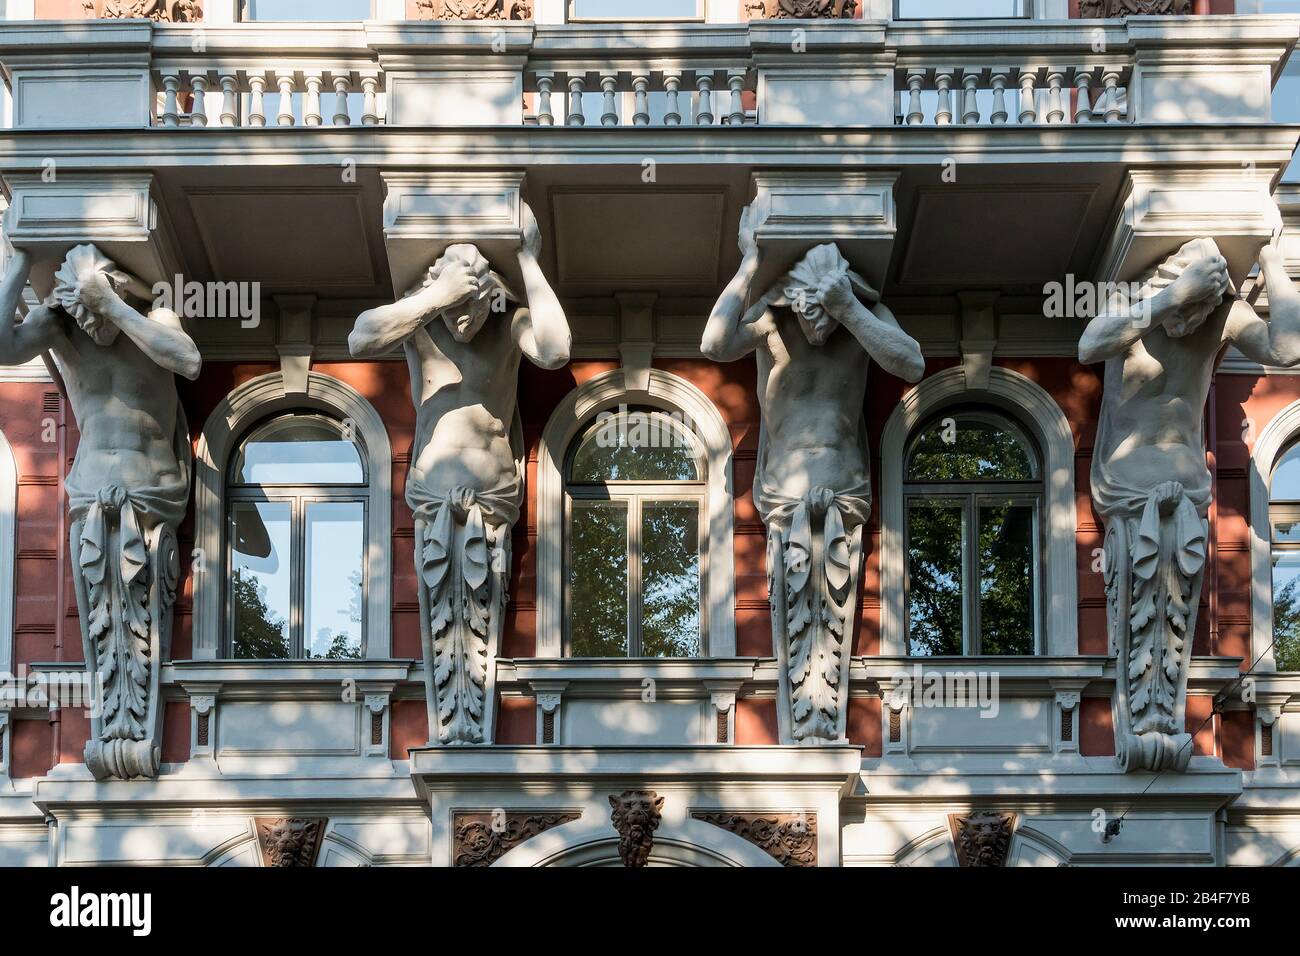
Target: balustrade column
170,115
256,102
229,104
1055,107
545,112
609,91
970,111
641,97
342,87
1082,97
199,108
736,80
998,81
1111,82
285,82
943,83
370,99
704,115
1028,101
673,112
311,115
575,117
915,115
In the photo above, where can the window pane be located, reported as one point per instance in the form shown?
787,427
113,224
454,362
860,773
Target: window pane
1007,579
1286,610
334,598
1286,477
968,448
670,579
633,9
298,10
260,578
934,576
598,579
298,451
637,446
959,9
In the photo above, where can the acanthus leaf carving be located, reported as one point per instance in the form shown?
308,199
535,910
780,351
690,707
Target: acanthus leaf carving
789,838
483,837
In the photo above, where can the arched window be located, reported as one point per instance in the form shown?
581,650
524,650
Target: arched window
635,483
1284,522
296,502
973,495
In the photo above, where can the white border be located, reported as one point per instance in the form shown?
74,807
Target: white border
246,405
608,390
1035,409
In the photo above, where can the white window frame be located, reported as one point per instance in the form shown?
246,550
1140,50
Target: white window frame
1273,442
253,402
668,393
1027,404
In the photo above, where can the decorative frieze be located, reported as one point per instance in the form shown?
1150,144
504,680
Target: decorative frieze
801,9
1100,9
164,11
474,9
483,837
982,838
290,841
636,815
789,838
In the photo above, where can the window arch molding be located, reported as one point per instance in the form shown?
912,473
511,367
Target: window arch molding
253,402
8,552
1036,411
1282,431
607,391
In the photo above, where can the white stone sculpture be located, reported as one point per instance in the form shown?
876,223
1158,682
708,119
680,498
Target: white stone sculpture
814,334
1150,480
128,487
463,340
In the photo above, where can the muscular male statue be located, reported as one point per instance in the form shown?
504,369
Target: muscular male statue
814,334
463,343
128,487
1150,481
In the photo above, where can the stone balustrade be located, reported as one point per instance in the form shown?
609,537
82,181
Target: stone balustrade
124,74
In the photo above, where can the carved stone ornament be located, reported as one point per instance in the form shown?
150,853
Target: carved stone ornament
290,841
464,340
812,332
127,490
1150,481
788,838
801,9
1101,9
165,11
474,9
982,838
483,837
636,817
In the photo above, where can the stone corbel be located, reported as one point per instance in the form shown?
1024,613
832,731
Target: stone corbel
119,212
1268,738
295,340
722,710
895,714
1068,694
1162,209
203,720
375,721
800,210
549,695
979,336
637,337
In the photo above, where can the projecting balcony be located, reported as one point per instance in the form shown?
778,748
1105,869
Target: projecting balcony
944,156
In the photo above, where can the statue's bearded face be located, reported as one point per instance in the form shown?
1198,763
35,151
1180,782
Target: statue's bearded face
102,333
465,320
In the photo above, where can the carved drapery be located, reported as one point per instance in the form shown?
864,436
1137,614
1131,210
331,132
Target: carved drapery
483,837
474,9
1100,9
636,815
290,841
982,838
164,11
801,9
788,838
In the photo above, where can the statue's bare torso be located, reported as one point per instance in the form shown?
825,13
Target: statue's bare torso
465,395
812,398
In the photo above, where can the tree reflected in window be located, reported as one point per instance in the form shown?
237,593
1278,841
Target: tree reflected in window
973,497
635,485
1284,520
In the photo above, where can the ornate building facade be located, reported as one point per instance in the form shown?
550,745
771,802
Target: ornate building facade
700,432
